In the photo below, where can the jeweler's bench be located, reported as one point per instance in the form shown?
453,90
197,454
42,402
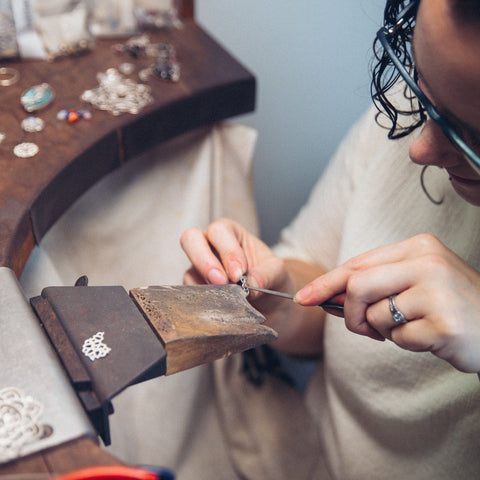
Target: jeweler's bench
35,191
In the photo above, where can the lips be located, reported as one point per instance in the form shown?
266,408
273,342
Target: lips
465,181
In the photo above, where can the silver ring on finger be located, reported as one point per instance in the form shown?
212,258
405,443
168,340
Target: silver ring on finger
397,315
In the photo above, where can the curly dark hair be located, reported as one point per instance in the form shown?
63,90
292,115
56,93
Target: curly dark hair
385,76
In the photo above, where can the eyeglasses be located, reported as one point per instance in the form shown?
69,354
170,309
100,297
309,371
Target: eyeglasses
387,35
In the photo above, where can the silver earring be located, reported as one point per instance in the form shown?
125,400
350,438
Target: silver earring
425,191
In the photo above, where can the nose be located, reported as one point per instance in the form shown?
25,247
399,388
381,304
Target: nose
432,147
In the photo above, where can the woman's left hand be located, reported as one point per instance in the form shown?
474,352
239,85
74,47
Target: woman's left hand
437,292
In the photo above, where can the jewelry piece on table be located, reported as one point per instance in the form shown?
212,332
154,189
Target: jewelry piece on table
164,70
8,76
126,68
398,316
2,137
94,347
26,150
136,47
20,416
33,124
145,74
37,97
166,65
73,115
118,94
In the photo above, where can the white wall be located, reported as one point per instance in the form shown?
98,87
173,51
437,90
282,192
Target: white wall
312,62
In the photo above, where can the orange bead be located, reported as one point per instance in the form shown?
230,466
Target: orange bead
72,116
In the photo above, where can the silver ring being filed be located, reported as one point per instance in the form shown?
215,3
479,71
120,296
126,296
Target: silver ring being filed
397,315
8,76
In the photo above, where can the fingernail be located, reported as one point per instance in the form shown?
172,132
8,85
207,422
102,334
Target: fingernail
235,270
252,281
216,277
303,294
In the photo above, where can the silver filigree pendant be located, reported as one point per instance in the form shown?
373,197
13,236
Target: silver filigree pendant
117,94
26,150
19,422
33,124
94,347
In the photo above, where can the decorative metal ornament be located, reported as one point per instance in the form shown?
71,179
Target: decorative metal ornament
26,150
19,422
138,46
145,74
127,68
118,94
94,348
166,64
33,124
37,97
167,71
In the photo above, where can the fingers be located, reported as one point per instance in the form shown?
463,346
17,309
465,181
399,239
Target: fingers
369,279
380,316
417,333
226,237
224,252
204,260
372,288
451,331
336,281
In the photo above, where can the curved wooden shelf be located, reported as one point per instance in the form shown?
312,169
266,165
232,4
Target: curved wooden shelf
34,192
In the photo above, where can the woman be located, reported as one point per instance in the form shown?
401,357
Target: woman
386,409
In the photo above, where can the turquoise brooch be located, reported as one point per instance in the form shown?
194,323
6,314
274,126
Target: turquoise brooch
37,97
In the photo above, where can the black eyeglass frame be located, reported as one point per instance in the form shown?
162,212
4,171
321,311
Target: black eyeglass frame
385,35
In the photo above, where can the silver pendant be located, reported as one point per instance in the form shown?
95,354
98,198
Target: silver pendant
20,424
117,94
33,124
94,347
26,150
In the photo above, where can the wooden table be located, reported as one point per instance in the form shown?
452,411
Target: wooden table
35,191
